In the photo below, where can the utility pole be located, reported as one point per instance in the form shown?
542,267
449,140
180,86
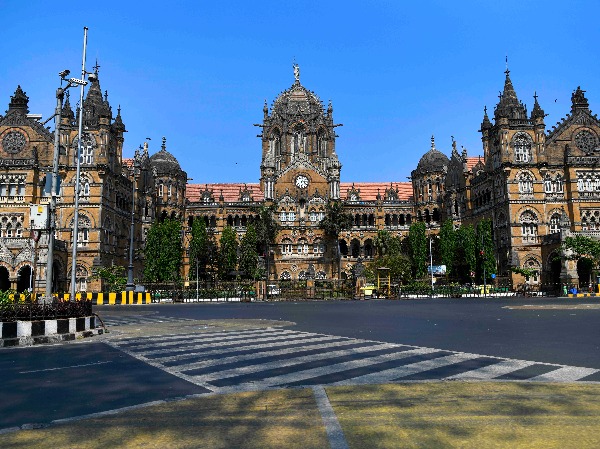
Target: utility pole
77,184
60,93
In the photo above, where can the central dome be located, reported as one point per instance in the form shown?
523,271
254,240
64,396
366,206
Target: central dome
297,100
433,161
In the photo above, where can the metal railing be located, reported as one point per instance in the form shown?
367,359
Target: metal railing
31,310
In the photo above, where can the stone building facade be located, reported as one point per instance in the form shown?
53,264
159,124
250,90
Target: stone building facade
536,186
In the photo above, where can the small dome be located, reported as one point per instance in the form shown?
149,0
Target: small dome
164,162
433,161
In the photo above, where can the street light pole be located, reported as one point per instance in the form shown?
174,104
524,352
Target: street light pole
130,284
77,184
431,260
60,93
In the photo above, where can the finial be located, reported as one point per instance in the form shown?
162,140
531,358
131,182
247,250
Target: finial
105,95
507,71
296,71
96,67
535,97
432,142
164,144
485,110
119,110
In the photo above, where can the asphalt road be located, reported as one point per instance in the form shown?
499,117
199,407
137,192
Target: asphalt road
496,327
41,384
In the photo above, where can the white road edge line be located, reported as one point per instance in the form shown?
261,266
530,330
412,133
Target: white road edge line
335,434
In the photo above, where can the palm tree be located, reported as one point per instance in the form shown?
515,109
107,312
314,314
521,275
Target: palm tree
334,223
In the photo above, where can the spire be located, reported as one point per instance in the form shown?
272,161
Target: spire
578,100
95,104
118,124
266,110
18,102
432,142
509,105
67,112
537,112
163,147
486,124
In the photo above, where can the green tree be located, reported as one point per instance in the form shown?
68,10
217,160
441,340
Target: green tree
228,246
447,241
386,243
248,262
163,252
113,278
336,221
199,248
266,228
585,250
465,261
485,249
418,249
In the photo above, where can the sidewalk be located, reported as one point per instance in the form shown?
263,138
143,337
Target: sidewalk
410,415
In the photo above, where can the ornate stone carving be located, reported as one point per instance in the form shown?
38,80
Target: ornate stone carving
14,142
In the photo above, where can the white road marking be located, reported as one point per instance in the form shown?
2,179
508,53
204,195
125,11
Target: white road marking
564,374
492,371
64,367
407,370
321,371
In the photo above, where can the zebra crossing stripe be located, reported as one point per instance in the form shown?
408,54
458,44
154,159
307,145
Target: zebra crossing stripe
263,351
140,341
389,375
251,369
491,371
229,342
183,339
315,372
260,347
565,374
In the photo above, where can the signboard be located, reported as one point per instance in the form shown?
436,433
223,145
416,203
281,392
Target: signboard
437,270
38,215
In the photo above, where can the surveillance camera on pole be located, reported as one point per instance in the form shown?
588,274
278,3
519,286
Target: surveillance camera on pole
78,82
64,73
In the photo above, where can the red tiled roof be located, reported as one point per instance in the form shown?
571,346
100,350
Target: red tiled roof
368,190
231,191
128,162
472,161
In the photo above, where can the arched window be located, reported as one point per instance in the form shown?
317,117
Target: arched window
529,224
81,276
318,247
302,246
554,223
525,183
522,147
322,143
286,246
547,184
84,188
88,143
285,276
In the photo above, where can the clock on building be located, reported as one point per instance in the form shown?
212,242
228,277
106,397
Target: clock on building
302,181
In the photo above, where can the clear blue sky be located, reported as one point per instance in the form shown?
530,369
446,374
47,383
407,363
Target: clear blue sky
397,72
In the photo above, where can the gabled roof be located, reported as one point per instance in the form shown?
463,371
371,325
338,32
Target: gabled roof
230,191
369,190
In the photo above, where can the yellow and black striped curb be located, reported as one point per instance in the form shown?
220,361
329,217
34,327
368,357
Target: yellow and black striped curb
98,298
